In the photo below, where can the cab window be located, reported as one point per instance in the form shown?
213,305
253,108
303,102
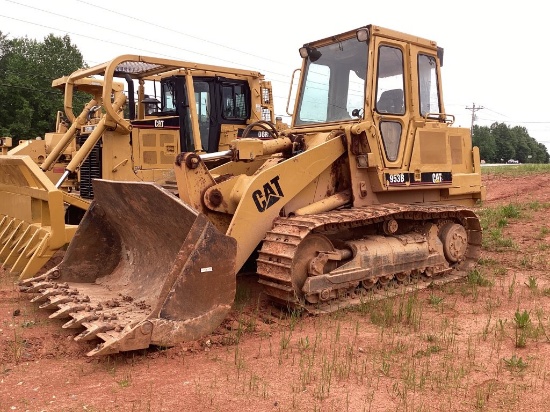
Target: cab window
427,83
234,102
390,81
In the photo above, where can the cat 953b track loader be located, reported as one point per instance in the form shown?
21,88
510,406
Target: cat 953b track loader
142,112
371,185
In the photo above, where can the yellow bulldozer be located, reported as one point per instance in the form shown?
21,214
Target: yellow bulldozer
370,187
143,111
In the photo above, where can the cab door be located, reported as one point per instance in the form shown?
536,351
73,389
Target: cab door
391,107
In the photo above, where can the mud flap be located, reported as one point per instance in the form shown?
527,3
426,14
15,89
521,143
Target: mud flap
142,268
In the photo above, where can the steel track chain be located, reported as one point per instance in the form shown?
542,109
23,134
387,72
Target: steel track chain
280,244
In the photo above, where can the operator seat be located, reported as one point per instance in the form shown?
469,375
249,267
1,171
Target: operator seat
391,101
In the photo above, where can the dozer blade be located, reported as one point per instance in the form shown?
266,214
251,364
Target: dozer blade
142,269
32,217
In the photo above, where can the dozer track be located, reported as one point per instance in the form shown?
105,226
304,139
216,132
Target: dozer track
328,261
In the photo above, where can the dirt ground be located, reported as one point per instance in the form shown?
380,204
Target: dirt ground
480,343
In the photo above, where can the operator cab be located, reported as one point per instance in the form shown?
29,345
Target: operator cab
214,101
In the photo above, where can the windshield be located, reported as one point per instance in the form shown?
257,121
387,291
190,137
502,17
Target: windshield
334,83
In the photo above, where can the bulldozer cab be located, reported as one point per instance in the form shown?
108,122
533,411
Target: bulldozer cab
218,101
388,84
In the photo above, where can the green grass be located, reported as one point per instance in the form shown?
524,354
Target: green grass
516,170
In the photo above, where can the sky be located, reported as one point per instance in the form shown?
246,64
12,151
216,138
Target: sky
494,59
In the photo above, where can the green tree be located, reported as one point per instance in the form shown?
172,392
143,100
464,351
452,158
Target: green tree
504,141
27,69
523,151
499,143
483,139
542,155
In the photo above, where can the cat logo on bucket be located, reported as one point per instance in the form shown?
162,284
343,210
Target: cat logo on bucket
270,195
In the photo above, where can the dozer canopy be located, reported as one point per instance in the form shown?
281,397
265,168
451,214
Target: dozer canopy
142,268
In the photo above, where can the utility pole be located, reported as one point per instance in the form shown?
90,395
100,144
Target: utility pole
474,109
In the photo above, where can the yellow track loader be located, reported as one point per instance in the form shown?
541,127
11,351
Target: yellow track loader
370,189
143,111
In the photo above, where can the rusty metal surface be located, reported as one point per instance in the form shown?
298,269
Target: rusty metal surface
277,259
143,268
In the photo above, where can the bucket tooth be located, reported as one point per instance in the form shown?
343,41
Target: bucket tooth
65,310
45,294
79,318
32,281
36,287
56,289
120,339
92,329
56,301
109,346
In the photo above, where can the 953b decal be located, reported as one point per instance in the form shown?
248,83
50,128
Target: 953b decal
426,178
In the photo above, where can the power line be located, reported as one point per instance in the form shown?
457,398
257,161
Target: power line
95,25
135,48
500,114
143,50
173,31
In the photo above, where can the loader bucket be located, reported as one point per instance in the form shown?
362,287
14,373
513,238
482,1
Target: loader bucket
142,269
32,217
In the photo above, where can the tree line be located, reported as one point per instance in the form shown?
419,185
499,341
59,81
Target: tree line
500,143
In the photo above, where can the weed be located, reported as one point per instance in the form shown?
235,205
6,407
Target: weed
385,368
512,287
535,206
522,320
486,262
532,283
501,324
428,351
544,231
242,295
125,382
285,339
526,262
435,300
27,324
476,278
515,364
511,211
541,326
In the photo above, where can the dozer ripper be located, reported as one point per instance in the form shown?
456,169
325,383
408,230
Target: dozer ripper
143,111
371,186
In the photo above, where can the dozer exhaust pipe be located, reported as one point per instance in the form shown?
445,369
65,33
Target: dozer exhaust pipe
142,268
